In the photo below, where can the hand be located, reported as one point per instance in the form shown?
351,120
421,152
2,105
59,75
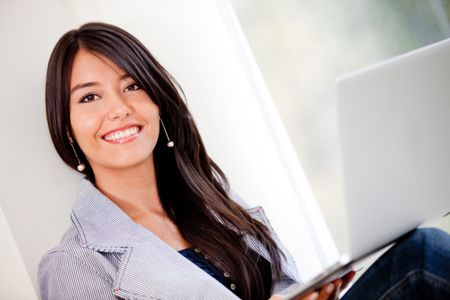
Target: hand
329,291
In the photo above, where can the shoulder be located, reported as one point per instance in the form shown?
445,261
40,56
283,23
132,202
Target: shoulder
256,212
236,198
70,271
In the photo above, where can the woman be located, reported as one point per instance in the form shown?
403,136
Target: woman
154,218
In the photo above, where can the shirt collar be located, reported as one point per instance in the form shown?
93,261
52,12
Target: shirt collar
148,268
101,224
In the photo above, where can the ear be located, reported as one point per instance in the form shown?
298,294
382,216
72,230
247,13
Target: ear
68,135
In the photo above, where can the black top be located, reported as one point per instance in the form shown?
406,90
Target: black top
203,263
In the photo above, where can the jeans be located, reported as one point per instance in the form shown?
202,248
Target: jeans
416,267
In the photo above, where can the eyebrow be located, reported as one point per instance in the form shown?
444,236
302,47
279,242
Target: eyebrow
93,83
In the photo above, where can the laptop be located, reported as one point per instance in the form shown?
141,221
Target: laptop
394,126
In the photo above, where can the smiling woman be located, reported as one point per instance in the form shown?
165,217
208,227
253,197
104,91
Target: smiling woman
149,205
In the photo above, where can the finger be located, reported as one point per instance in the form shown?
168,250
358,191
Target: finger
337,289
312,296
326,292
349,276
347,279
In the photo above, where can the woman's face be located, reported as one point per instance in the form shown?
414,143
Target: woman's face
114,121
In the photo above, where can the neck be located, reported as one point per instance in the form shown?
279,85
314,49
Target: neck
133,189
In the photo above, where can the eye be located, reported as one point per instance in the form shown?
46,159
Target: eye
89,98
133,87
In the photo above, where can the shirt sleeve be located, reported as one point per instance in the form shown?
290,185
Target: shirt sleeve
62,275
290,277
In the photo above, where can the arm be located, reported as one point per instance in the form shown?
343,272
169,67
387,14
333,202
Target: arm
290,277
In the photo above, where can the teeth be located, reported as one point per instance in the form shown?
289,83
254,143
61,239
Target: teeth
122,134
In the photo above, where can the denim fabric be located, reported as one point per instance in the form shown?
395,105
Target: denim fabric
417,267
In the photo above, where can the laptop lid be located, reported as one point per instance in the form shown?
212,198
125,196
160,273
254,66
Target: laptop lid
394,122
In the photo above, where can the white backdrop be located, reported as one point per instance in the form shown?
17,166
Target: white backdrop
201,44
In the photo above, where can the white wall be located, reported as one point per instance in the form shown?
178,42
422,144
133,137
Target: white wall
201,44
16,285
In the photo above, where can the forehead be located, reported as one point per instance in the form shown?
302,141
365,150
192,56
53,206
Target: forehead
90,66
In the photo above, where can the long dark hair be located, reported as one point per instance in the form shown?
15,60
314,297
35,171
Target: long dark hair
192,188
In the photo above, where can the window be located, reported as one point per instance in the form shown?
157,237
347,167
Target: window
302,45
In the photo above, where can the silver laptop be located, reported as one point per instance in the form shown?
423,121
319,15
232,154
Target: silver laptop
394,123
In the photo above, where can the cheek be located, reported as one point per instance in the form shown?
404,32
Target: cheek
151,108
84,126
153,124
150,112
155,128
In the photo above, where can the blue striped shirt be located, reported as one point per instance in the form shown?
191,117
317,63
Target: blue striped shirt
105,255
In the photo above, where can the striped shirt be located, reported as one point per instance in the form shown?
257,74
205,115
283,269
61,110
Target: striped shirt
105,255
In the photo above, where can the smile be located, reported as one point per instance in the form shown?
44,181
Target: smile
122,136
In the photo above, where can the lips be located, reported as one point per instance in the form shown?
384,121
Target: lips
123,134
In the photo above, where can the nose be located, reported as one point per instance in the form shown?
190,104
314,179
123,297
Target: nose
118,108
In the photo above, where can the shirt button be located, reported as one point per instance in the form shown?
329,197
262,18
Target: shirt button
233,286
197,250
226,274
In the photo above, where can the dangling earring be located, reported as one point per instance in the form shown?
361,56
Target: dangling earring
80,166
170,143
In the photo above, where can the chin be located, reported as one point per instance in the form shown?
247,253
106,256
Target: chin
130,163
